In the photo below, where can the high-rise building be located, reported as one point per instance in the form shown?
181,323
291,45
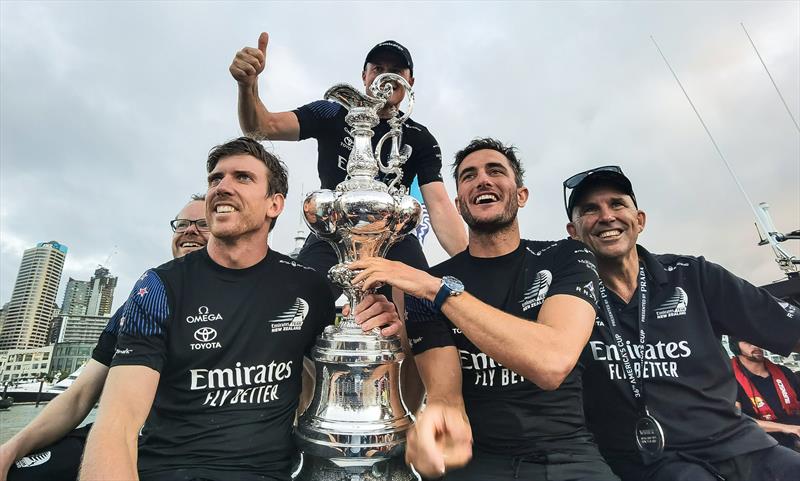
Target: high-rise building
31,307
81,328
76,298
101,295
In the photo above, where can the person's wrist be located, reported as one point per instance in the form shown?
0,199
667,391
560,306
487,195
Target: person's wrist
434,284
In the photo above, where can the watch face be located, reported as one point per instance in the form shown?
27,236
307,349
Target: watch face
455,286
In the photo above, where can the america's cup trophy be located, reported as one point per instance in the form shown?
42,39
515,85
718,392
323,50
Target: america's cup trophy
355,427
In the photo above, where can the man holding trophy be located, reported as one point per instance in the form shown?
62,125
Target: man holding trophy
497,331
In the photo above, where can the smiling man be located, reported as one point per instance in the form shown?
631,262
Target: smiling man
53,445
497,331
214,343
658,387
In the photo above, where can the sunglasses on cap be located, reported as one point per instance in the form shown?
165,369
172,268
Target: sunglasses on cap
572,182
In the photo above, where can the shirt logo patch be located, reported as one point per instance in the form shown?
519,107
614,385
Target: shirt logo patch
535,294
674,306
790,309
205,339
292,318
587,290
203,315
32,460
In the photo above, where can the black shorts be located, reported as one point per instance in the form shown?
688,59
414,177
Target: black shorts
552,466
58,462
319,255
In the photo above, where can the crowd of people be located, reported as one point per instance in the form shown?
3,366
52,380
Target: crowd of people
586,358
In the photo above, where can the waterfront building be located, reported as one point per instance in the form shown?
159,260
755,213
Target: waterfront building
69,356
81,328
31,363
30,310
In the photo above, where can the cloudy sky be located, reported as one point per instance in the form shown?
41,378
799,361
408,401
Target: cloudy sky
107,112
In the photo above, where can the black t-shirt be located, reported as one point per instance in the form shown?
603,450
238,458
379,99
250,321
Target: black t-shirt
229,344
104,350
509,414
766,387
690,387
324,121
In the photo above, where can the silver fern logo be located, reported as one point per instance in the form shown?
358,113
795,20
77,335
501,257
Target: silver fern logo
292,318
536,293
32,460
674,306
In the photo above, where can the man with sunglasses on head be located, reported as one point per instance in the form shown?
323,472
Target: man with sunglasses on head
659,391
497,331
49,448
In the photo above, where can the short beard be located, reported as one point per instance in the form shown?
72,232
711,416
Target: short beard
493,226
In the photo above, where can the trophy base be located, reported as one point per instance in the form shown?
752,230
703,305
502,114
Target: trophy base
313,468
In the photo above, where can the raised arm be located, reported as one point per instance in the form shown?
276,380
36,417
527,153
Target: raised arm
441,438
61,415
254,118
543,352
446,223
111,450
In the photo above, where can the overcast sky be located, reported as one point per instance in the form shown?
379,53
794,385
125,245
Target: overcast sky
108,110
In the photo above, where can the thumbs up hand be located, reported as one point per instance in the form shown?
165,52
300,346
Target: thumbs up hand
249,62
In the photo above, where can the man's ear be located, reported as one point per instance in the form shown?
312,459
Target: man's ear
364,76
522,196
276,205
572,231
641,220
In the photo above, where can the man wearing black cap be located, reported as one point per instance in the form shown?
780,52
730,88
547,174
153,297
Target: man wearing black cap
325,121
768,392
659,391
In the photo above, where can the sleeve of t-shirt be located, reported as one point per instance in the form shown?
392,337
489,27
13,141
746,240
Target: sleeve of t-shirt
743,310
428,159
574,272
143,326
426,327
104,350
323,310
315,118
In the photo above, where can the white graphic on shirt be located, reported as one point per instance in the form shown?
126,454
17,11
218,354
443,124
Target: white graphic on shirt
32,460
539,253
674,306
790,309
292,318
675,266
203,315
485,371
295,264
205,337
536,293
257,384
587,290
649,361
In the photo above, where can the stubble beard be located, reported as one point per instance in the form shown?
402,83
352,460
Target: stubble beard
491,226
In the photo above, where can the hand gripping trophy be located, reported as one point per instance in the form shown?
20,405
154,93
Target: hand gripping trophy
355,427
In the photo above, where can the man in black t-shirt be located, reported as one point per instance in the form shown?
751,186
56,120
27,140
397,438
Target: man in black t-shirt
214,343
53,445
768,392
325,121
497,331
658,388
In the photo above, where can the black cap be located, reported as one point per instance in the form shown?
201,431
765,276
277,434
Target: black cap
392,47
583,182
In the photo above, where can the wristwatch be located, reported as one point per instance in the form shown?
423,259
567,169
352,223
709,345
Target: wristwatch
450,287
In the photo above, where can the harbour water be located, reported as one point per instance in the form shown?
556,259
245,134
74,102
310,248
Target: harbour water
18,416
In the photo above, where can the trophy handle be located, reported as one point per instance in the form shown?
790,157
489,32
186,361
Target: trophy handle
382,87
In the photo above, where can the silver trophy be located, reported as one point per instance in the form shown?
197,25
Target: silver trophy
355,427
